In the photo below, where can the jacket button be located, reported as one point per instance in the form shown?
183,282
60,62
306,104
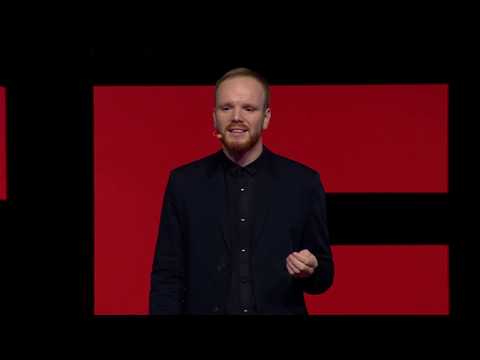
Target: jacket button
216,309
244,279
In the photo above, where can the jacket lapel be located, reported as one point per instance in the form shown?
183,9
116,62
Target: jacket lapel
218,191
264,191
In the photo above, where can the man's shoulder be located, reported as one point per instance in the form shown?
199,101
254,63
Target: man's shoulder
196,166
292,166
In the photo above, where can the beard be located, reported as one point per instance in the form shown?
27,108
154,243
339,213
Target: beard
242,145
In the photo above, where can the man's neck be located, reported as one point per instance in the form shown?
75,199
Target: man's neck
243,159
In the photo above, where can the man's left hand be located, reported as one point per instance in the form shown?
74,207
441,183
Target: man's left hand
301,264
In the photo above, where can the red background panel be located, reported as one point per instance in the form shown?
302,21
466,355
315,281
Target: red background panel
366,138
369,138
386,279
3,144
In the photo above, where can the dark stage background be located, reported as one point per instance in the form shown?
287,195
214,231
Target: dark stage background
3,145
384,127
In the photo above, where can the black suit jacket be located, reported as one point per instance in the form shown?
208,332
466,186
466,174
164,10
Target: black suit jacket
191,270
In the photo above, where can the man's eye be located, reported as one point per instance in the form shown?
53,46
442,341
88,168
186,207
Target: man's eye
225,108
249,109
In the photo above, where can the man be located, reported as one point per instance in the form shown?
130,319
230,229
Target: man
242,231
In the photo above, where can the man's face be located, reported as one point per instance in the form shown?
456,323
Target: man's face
239,113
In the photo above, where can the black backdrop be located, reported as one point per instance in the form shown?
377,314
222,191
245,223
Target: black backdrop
47,221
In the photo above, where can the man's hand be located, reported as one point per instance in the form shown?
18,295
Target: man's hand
301,264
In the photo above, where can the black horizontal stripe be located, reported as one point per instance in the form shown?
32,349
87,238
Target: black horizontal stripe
388,218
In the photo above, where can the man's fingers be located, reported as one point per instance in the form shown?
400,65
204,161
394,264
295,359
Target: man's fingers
300,257
294,269
287,265
289,268
306,257
299,265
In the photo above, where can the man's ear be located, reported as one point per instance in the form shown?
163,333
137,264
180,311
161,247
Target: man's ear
266,119
214,118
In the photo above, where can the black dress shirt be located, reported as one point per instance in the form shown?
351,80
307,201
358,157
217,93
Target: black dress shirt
240,186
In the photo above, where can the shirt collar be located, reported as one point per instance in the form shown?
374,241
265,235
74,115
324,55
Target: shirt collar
251,169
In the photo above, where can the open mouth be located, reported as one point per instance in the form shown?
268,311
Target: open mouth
237,131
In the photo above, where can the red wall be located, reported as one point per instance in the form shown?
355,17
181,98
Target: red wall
3,145
361,138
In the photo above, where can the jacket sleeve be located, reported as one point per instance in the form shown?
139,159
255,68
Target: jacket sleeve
316,240
167,276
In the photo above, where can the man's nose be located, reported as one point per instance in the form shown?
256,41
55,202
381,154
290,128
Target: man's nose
236,115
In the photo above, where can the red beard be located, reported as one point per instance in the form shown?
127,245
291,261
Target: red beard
240,145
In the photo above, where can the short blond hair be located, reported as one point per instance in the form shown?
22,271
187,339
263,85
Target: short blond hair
242,71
